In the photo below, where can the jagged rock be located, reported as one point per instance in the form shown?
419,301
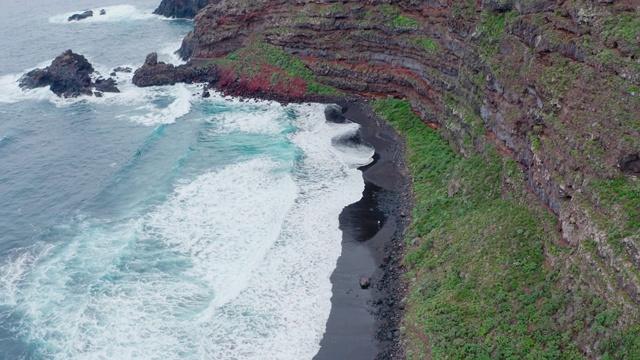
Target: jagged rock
103,12
365,282
121,69
78,17
154,73
188,44
151,59
69,75
181,8
106,85
124,69
334,113
497,5
630,163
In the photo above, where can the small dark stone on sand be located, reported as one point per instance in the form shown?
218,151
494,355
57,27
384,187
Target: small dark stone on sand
365,282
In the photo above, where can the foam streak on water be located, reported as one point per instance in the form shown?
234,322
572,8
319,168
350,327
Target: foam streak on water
233,264
115,13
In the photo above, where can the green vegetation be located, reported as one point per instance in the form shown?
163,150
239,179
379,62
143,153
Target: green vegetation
429,45
624,194
623,27
492,26
404,22
248,60
480,283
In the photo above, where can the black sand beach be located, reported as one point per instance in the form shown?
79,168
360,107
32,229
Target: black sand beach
364,322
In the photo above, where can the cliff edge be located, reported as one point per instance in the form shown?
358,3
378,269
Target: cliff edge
548,91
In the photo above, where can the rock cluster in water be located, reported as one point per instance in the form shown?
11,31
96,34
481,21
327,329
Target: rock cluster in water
69,75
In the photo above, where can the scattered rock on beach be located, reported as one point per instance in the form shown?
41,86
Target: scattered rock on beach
78,17
69,75
365,282
334,113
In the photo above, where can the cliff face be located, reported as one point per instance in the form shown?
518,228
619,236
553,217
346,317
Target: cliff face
553,85
186,9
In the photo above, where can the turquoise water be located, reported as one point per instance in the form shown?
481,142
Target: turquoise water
154,224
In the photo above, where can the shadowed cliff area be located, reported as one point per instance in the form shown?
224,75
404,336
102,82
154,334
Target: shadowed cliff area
525,240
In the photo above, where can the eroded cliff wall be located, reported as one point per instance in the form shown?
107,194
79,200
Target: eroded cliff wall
551,85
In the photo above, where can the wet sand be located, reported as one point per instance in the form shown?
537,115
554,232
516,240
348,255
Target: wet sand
363,323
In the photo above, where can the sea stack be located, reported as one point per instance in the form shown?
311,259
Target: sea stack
69,75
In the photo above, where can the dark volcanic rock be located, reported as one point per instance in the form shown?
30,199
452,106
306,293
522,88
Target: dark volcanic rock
121,69
154,73
365,282
69,75
106,85
124,69
103,12
181,8
334,113
630,163
84,15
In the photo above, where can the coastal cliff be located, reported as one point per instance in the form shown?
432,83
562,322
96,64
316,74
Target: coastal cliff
544,94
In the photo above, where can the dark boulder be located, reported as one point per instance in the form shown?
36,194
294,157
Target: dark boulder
151,59
334,113
69,75
78,17
630,164
106,85
365,282
182,8
154,73
121,69
103,12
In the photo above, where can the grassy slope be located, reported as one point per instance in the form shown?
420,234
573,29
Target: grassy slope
480,286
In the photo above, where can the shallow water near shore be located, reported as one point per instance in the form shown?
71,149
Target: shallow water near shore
154,223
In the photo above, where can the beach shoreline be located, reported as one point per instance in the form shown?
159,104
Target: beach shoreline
364,323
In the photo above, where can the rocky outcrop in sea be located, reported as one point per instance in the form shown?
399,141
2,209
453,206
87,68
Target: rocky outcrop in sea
155,73
69,75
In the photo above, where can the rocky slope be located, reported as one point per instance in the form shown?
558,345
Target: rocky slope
186,9
551,86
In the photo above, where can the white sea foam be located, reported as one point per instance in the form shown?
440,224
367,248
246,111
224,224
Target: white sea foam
168,54
142,102
235,264
113,14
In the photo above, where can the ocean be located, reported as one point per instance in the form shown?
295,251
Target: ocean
153,223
